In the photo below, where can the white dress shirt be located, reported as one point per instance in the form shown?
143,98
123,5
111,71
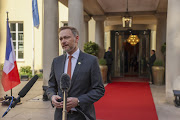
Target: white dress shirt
73,61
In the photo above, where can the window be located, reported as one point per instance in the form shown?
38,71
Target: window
18,39
65,24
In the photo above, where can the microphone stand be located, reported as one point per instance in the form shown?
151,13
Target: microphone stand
64,86
64,112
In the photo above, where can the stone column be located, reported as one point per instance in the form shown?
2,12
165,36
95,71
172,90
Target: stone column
172,49
86,28
160,34
50,37
153,40
99,34
76,19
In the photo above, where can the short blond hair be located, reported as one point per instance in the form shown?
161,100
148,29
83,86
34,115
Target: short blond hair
73,30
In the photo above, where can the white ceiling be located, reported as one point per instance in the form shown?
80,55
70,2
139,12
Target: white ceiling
133,5
143,11
114,7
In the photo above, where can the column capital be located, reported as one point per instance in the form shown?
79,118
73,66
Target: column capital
99,18
86,18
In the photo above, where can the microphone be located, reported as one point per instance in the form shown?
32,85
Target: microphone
25,90
65,82
22,93
28,86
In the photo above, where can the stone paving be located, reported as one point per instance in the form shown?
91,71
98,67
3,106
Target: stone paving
33,108
165,111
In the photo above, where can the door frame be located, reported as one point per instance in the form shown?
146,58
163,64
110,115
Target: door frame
144,36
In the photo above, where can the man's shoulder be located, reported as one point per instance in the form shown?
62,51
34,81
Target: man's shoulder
59,57
154,56
88,56
106,53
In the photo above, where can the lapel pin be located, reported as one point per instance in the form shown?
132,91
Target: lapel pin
79,63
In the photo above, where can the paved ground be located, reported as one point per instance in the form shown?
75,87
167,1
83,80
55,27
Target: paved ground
164,110
33,108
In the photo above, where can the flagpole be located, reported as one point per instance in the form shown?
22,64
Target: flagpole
35,23
32,49
7,20
10,77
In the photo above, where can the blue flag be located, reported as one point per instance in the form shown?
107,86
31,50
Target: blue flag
35,13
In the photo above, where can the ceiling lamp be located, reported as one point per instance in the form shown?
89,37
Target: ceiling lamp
133,40
127,20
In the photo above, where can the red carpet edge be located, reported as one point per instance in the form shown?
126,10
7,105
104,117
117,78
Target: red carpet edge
126,101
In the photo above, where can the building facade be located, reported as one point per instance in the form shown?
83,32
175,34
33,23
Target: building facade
154,22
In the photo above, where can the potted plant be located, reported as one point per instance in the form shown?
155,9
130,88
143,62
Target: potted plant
158,72
103,68
163,48
25,73
91,48
1,69
163,51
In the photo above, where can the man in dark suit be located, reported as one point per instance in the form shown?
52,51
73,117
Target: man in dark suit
150,64
86,81
109,60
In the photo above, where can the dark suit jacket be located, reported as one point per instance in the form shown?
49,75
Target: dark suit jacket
109,57
86,83
152,60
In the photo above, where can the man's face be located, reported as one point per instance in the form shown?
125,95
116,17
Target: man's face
68,41
152,52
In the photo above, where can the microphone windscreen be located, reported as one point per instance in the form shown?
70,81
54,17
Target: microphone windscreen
28,86
65,82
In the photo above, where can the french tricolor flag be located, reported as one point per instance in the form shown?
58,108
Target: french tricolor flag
10,76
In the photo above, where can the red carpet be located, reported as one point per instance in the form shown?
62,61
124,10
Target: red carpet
130,75
126,101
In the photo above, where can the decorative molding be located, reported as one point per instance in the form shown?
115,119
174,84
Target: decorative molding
99,18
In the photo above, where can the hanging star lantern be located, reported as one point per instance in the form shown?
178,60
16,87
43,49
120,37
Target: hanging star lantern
133,40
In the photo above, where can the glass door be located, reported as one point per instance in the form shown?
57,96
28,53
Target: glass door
123,53
118,53
144,52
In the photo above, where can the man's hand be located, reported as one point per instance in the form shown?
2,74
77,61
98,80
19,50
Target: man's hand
72,102
55,103
148,65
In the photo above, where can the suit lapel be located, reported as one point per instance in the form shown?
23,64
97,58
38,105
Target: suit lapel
77,67
62,65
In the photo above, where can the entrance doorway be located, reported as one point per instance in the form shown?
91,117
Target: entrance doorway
130,60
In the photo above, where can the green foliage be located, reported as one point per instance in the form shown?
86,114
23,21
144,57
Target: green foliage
26,70
40,75
158,63
1,66
163,48
102,61
91,48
